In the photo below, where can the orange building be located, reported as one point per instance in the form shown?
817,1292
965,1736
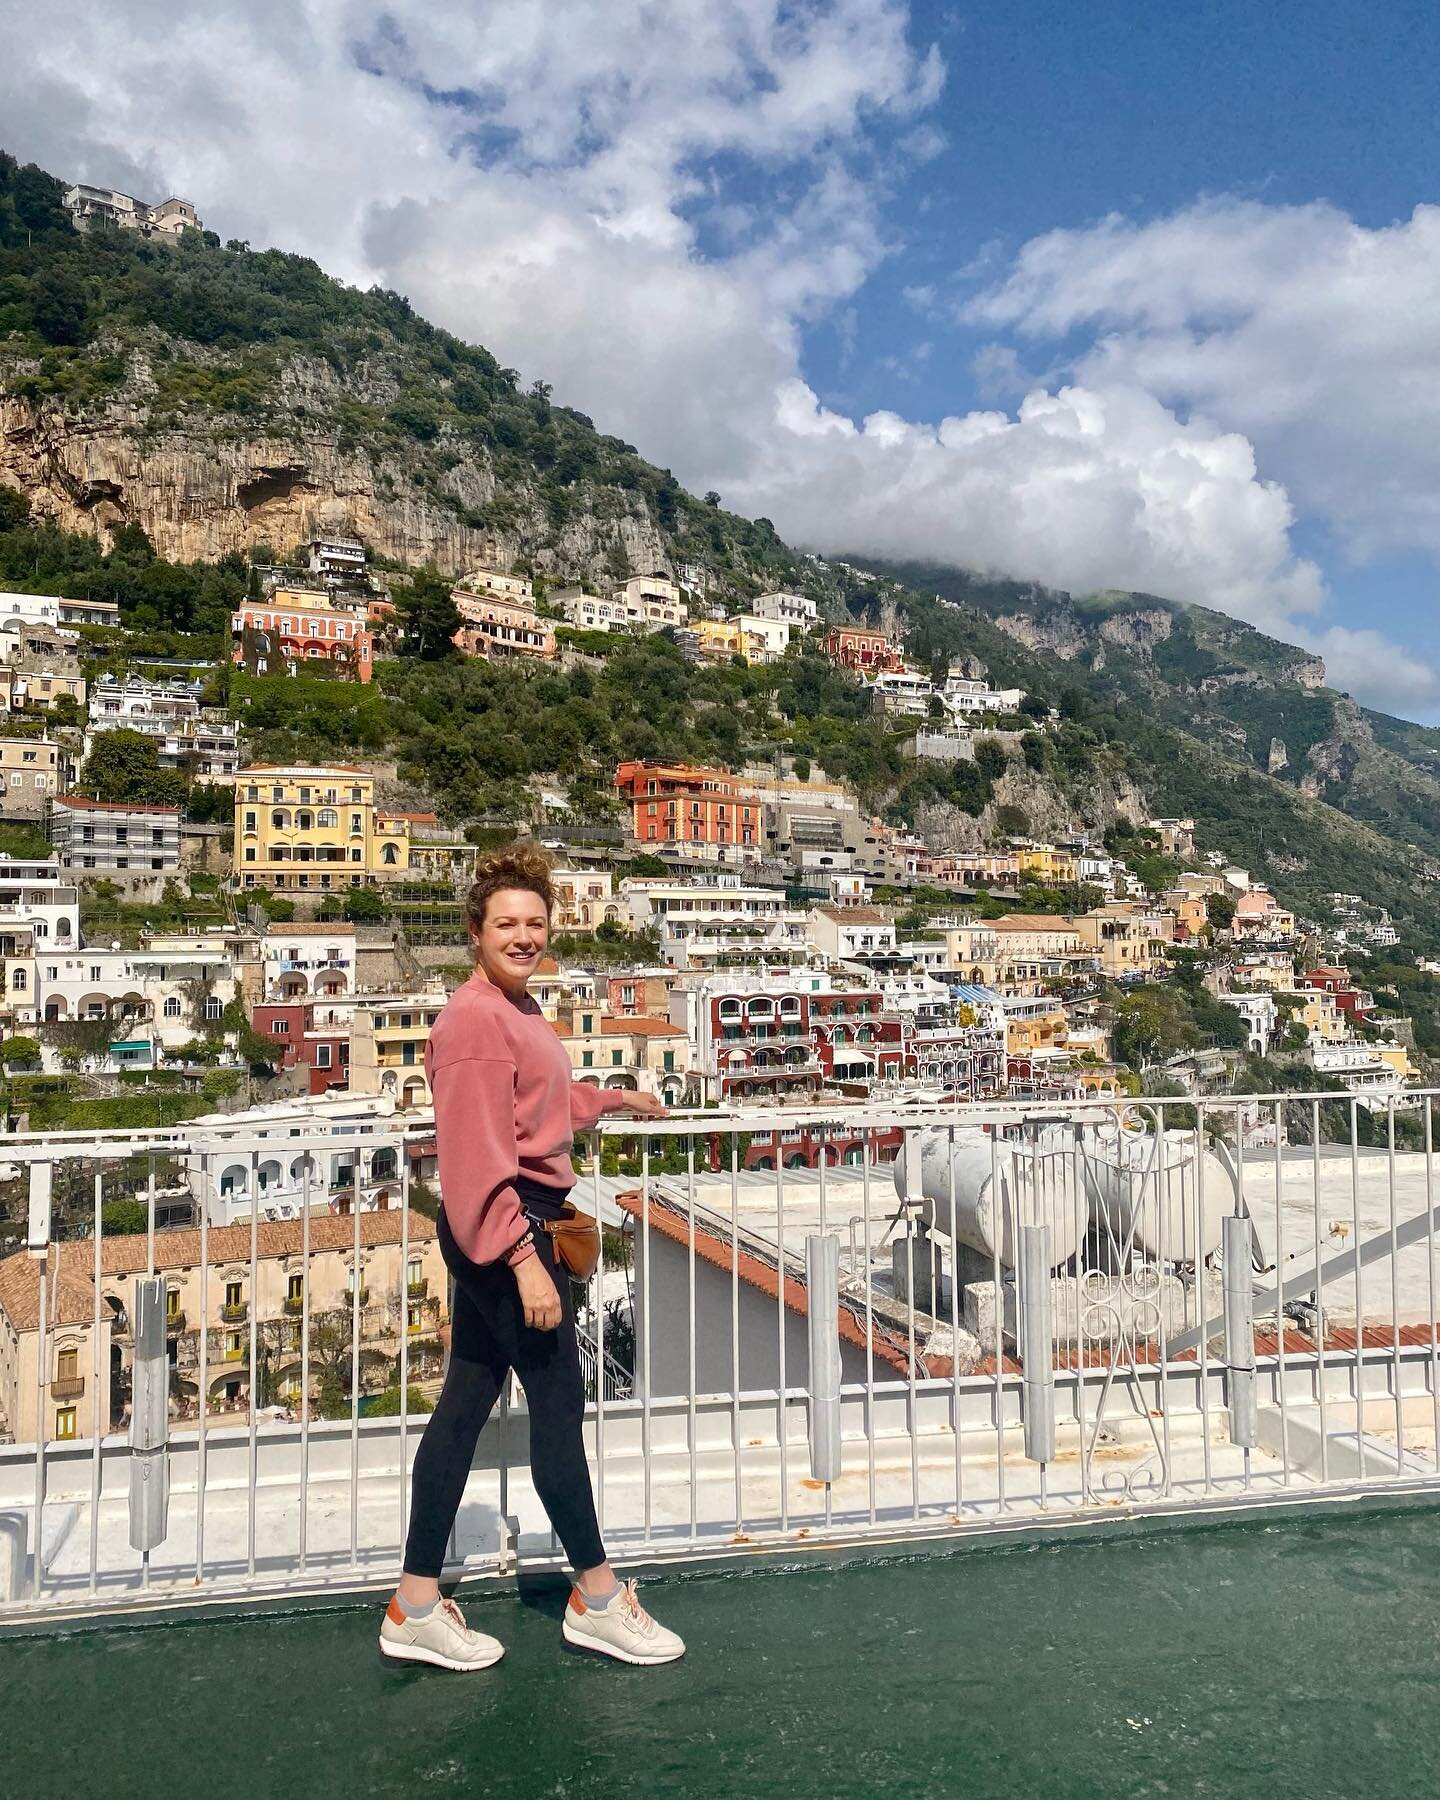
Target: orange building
858,647
672,803
293,631
496,627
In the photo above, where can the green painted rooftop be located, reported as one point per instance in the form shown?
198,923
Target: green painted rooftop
1294,1657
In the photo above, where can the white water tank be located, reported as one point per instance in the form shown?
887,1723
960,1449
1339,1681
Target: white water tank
1146,1192
998,1185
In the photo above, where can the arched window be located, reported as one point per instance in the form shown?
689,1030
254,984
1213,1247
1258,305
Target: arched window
17,981
304,821
279,820
327,817
390,856
172,1007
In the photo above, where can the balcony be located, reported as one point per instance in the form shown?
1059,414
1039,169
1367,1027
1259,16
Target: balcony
67,1387
236,1312
294,1306
174,1322
416,1290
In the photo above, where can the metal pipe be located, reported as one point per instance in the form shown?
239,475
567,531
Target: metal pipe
1240,1333
1036,1331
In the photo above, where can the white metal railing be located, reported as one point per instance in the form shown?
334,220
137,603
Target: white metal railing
1034,1315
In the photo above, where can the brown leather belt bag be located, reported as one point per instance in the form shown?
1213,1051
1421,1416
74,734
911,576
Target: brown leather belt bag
576,1240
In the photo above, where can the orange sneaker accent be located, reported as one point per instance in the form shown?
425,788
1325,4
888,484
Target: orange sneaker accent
393,1612
576,1601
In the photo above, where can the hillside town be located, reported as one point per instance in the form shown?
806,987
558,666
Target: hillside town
727,938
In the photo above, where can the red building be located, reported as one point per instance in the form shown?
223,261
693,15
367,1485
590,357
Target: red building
852,1041
1353,1001
291,633
323,1050
674,803
859,647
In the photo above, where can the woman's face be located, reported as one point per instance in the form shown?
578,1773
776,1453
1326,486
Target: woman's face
512,938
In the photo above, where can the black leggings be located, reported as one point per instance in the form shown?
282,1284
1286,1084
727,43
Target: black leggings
489,1337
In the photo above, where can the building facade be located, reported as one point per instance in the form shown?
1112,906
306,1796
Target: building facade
108,837
293,632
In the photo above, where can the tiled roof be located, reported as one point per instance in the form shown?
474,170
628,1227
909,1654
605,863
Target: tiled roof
854,915
639,1027
73,1263
1029,922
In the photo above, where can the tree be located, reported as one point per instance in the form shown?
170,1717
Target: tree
1220,910
57,307
429,617
14,509
711,497
125,766
365,906
123,1218
20,1053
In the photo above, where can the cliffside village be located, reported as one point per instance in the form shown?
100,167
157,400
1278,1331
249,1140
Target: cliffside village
769,965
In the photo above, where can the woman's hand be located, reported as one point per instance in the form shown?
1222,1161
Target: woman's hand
643,1106
537,1294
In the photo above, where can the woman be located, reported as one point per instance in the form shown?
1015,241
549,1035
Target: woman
506,1111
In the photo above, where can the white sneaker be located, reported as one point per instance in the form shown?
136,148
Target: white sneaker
623,1629
442,1637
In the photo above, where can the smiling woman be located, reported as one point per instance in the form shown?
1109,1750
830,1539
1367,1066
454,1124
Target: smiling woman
506,1111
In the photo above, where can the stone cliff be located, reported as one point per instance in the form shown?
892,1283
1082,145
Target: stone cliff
199,492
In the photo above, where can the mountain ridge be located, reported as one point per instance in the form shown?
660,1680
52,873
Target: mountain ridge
226,401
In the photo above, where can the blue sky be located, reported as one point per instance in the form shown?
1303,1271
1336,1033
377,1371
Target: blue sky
1092,292
1062,113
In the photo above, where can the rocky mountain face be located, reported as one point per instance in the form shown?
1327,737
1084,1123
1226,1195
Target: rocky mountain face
201,486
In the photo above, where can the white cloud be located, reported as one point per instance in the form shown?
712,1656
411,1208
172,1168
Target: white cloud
1317,337
647,207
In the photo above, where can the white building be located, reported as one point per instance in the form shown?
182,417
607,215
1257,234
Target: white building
651,602
517,588
185,734
337,559
769,638
91,206
852,933
903,692
277,1183
791,609
1260,1014
33,890
702,923
589,612
308,961
963,696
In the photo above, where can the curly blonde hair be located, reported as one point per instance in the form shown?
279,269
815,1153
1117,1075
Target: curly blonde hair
521,865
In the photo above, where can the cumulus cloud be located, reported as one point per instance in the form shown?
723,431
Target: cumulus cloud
1317,337
648,206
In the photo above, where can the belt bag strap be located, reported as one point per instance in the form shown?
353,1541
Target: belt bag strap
576,1240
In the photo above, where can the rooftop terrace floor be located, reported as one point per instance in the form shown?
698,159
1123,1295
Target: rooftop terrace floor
1297,1656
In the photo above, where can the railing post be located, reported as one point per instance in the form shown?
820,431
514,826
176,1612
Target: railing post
1036,1333
149,1418
1240,1333
822,1283
41,1182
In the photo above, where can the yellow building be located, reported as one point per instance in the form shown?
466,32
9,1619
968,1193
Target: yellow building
300,828
1050,866
217,1300
1128,939
418,845
388,1035
1319,1014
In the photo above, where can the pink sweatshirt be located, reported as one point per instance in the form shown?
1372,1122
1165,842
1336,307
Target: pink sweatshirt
505,1105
